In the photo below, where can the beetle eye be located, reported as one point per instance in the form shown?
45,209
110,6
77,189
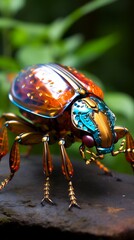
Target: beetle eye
116,138
88,141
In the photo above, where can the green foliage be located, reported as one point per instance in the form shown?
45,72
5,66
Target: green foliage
35,43
10,7
25,43
123,106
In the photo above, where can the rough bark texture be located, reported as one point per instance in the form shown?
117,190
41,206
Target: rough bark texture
107,203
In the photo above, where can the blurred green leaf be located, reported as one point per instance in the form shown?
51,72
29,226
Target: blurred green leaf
91,50
36,29
31,30
4,88
7,23
60,26
120,103
29,55
72,43
41,53
8,64
20,37
10,7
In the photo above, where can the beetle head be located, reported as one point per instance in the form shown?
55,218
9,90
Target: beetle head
95,119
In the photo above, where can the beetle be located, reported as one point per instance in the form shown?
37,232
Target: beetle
60,104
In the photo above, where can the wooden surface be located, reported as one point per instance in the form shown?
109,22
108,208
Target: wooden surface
107,203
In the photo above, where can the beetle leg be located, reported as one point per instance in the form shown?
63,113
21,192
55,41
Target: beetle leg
103,167
14,163
67,170
11,116
14,158
48,168
126,146
16,125
94,158
3,140
82,152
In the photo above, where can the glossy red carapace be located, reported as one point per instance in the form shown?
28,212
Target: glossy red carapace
47,90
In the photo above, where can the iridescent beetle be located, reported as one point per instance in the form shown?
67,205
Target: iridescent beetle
60,104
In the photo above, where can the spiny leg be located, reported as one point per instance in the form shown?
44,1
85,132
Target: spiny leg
126,146
16,125
14,163
14,158
28,135
104,168
13,117
67,170
3,142
94,158
48,168
121,148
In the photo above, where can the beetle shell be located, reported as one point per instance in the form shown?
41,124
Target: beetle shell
47,89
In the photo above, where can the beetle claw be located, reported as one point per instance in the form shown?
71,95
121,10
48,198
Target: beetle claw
47,200
73,204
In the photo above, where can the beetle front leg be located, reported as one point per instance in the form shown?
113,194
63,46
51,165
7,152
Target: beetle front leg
67,170
126,146
94,158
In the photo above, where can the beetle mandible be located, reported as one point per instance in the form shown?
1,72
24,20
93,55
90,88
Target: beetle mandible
59,104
